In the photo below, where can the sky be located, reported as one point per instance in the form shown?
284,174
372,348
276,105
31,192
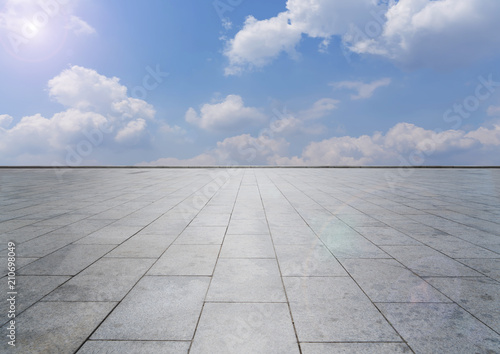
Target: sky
249,82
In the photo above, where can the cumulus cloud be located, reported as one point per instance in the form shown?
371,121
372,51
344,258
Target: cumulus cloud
5,120
436,33
404,143
364,90
98,114
228,115
259,42
411,32
237,150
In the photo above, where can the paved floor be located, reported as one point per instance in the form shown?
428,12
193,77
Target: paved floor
252,260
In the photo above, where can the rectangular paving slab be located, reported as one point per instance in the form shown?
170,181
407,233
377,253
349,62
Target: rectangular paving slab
328,309
108,279
56,327
157,308
440,328
246,280
245,328
187,260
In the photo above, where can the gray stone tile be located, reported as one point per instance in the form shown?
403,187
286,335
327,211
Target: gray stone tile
351,245
245,328
440,328
302,260
247,246
386,280
108,279
110,235
426,261
334,309
359,220
248,227
29,290
25,233
143,246
210,220
246,280
134,347
69,260
187,260
479,296
294,236
489,267
56,327
457,248
20,262
386,236
206,235
354,348
157,308
44,245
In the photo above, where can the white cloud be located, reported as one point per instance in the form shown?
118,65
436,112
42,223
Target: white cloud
411,32
237,150
437,33
5,120
132,132
80,27
228,115
99,114
364,90
320,108
405,143
259,42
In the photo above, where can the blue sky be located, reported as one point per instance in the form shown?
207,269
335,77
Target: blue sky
297,82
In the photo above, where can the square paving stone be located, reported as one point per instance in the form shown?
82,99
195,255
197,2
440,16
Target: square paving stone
110,235
134,347
56,327
426,261
245,328
334,309
354,348
302,260
386,280
187,260
440,328
488,267
246,280
247,246
69,260
248,227
157,308
479,296
142,246
386,236
208,235
108,279
285,235
30,289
